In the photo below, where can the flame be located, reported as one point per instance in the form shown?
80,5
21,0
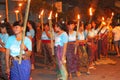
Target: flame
39,16
78,16
0,16
20,4
103,23
50,16
16,11
56,15
90,10
112,13
103,18
42,12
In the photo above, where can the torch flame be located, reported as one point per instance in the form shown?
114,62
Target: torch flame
0,16
78,16
16,11
112,13
56,15
90,10
42,12
50,16
103,18
20,4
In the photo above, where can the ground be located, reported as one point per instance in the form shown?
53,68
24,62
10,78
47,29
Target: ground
108,69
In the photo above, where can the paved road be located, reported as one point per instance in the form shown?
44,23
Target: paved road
106,70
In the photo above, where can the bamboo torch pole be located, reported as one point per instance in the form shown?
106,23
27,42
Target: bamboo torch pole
24,27
51,30
78,24
110,20
56,17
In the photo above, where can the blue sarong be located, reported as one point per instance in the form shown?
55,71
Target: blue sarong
20,71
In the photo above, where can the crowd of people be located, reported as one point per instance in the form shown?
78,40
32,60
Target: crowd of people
72,48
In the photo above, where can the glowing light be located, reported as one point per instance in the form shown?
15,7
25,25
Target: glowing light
50,16
78,16
16,11
90,10
42,12
56,15
20,4
112,13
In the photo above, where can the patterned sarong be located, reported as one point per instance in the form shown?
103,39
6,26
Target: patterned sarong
72,59
20,71
61,69
83,56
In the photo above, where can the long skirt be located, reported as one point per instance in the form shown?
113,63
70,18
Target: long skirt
3,65
61,67
20,71
92,52
104,46
72,59
83,56
47,52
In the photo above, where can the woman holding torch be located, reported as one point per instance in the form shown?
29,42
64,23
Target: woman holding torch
15,70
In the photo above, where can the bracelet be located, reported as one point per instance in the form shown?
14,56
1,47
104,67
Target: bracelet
26,49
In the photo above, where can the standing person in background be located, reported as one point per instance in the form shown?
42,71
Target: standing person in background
46,45
18,71
31,34
72,58
5,30
116,34
92,50
83,56
104,40
61,39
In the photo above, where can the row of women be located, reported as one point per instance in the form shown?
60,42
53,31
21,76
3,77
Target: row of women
10,46
90,44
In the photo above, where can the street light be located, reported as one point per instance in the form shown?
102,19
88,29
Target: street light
16,13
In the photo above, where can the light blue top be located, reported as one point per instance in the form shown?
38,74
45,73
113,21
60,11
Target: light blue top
4,37
44,36
61,39
81,36
14,46
72,37
31,33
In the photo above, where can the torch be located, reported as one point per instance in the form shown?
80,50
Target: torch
78,24
51,30
90,11
24,28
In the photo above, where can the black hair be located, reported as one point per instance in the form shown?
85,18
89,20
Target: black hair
17,23
71,22
46,24
62,26
8,28
33,25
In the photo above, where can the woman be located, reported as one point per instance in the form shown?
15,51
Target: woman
46,45
31,34
5,30
92,48
83,56
61,39
72,58
18,71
